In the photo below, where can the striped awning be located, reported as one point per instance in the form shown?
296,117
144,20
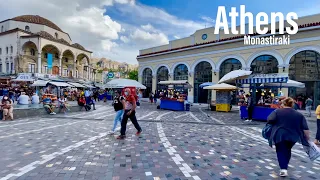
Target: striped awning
264,78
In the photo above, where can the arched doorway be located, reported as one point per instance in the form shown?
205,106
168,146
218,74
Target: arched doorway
229,65
162,75
265,64
202,74
305,67
67,63
147,81
82,63
50,64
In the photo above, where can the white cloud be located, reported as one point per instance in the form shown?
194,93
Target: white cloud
141,38
89,24
124,39
148,27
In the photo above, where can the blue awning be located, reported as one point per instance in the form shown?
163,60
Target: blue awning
206,84
264,78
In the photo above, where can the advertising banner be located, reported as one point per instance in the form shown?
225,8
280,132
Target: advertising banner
49,59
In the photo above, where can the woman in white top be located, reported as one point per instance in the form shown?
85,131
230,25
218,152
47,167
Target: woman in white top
62,104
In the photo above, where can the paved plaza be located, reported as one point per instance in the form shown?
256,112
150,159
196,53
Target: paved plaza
198,144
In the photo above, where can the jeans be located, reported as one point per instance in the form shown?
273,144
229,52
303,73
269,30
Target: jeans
133,119
284,153
318,130
308,108
117,119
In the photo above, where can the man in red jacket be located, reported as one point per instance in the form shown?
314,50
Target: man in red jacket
129,112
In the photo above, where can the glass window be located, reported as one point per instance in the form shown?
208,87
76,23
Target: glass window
2,29
0,51
228,66
264,64
162,75
7,49
147,81
11,49
7,67
202,74
0,67
181,72
12,67
46,70
32,52
32,68
27,28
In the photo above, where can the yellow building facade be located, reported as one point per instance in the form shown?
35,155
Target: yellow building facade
206,57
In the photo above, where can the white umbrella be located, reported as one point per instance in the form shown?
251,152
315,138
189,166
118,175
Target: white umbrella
289,83
222,86
233,75
121,83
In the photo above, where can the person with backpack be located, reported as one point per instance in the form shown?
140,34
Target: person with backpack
130,104
118,105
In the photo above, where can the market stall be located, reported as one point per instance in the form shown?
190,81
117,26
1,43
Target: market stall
120,84
223,96
262,110
174,100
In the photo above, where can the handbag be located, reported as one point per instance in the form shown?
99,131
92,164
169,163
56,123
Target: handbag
266,131
312,150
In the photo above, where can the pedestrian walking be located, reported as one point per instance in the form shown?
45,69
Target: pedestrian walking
93,103
309,106
288,127
250,107
130,107
317,140
118,105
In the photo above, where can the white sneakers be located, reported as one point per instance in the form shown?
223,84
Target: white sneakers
110,132
53,113
283,173
248,120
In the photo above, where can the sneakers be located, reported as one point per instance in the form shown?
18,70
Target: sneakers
121,137
138,133
283,173
111,133
248,120
53,113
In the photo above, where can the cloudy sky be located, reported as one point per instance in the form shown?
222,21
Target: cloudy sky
117,29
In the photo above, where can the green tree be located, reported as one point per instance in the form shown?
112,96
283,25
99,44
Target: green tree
133,75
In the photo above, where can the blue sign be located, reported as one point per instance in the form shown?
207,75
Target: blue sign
110,75
49,58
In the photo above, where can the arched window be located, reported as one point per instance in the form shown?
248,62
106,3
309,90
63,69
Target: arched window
181,72
56,35
305,67
7,49
228,66
162,75
11,49
0,51
147,81
32,52
27,28
202,74
2,29
264,64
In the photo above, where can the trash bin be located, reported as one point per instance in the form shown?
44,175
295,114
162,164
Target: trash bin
187,107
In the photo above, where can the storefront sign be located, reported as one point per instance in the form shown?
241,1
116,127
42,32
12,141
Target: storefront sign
24,77
265,78
47,76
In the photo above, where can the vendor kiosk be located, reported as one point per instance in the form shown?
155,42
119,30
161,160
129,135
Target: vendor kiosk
261,112
175,104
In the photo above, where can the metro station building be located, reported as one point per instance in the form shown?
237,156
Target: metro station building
206,57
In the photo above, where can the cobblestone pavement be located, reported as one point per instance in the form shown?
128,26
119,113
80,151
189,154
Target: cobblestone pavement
198,144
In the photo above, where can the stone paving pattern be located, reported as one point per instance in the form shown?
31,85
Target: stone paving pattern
199,144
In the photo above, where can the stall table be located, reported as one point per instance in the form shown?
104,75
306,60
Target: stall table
172,105
259,112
